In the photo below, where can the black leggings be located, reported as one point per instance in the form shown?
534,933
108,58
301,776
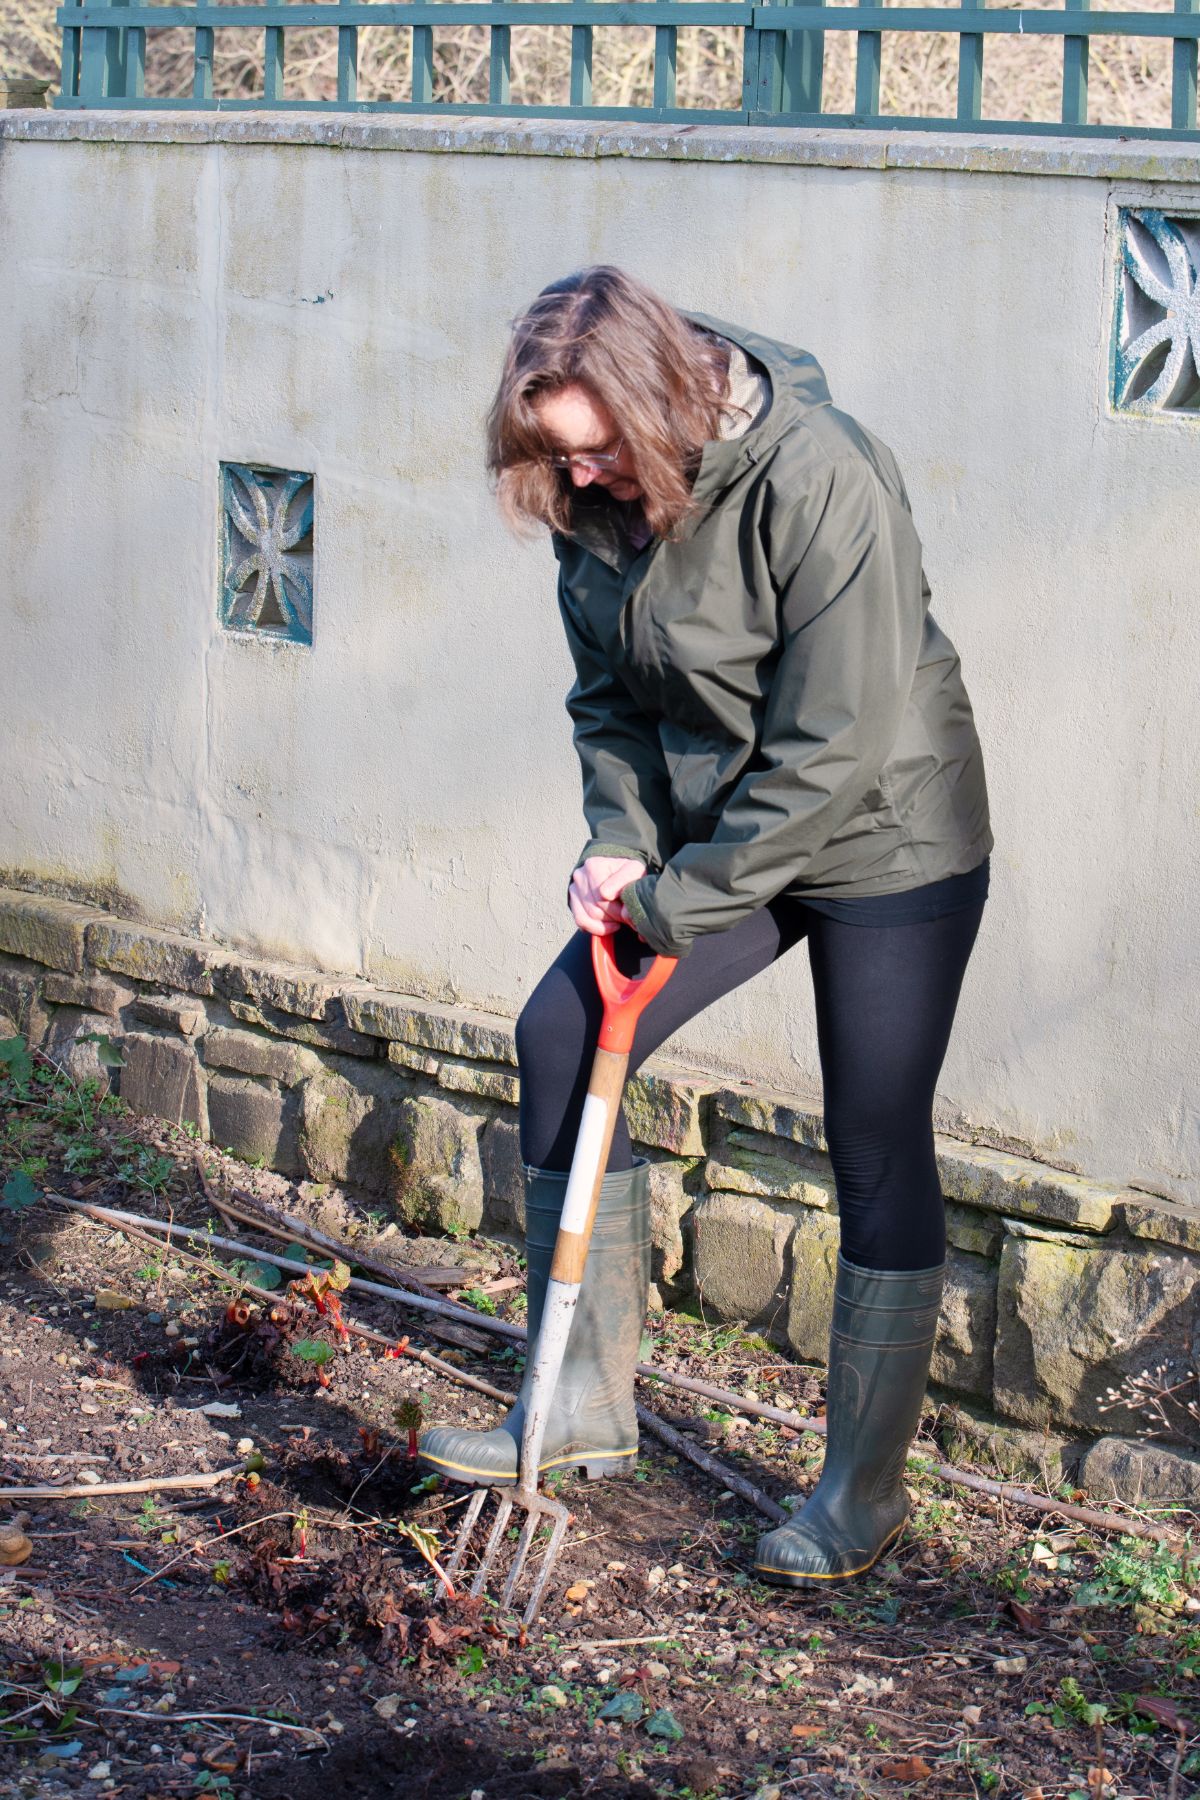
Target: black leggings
885,1000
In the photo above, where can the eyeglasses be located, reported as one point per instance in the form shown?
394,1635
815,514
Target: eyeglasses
586,459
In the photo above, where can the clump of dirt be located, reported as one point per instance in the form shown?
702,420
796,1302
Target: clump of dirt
325,1588
278,1345
382,1476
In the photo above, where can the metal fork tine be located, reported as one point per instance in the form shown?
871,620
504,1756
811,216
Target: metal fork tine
532,1521
552,1549
464,1531
503,1510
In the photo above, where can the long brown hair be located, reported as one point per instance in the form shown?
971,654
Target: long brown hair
661,377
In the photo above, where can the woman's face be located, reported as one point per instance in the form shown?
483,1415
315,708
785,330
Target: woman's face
575,421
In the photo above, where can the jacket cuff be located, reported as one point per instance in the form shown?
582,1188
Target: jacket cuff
634,899
602,847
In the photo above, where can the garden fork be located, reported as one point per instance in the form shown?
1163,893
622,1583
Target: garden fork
625,999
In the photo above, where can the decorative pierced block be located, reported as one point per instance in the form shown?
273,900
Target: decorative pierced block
267,552
1156,321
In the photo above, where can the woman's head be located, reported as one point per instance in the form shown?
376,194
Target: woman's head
600,364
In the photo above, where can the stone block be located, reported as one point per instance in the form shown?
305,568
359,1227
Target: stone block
406,1056
814,1274
254,1053
439,1174
309,993
1116,1468
349,1115
503,1178
666,1110
771,1168
254,1120
979,1233
487,1083
1073,1323
962,1355
329,1036
453,1030
778,1115
163,957
671,1234
740,1255
81,1061
171,1014
21,998
43,929
976,1175
95,993
1160,1220
163,1077
1003,1452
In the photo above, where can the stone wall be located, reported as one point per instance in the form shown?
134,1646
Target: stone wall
1060,1289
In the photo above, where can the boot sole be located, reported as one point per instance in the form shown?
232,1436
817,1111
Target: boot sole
803,1578
598,1466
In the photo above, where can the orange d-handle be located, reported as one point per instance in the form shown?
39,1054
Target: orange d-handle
625,997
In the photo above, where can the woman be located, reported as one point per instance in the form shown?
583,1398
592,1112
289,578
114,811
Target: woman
776,745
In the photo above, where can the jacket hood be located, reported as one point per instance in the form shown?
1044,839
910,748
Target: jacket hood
798,386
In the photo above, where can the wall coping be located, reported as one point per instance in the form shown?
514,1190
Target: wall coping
789,146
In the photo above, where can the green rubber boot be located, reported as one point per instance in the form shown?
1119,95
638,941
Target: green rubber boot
884,1325
593,1421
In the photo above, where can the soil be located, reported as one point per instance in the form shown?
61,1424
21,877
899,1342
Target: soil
295,1597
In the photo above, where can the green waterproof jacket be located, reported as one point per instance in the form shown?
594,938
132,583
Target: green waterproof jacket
765,706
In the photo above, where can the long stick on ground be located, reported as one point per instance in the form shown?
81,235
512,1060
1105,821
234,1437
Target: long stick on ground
100,1216
253,1211
1015,1496
97,1489
725,1476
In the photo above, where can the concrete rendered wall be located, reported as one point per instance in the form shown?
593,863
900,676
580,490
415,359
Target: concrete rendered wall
400,801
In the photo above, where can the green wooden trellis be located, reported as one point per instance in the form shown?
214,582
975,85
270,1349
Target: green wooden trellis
104,57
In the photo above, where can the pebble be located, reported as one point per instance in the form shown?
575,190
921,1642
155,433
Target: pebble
387,1706
171,1329
658,1671
1011,1665
655,1578
553,1696
99,1771
972,1714
89,1477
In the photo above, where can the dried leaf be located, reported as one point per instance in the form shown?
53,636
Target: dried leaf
803,1731
907,1768
1026,1617
1164,1711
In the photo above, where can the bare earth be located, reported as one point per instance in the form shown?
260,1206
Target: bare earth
990,1654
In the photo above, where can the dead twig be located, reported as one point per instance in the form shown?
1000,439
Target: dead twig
153,1484
726,1477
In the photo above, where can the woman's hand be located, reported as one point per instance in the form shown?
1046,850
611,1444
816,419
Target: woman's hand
595,891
